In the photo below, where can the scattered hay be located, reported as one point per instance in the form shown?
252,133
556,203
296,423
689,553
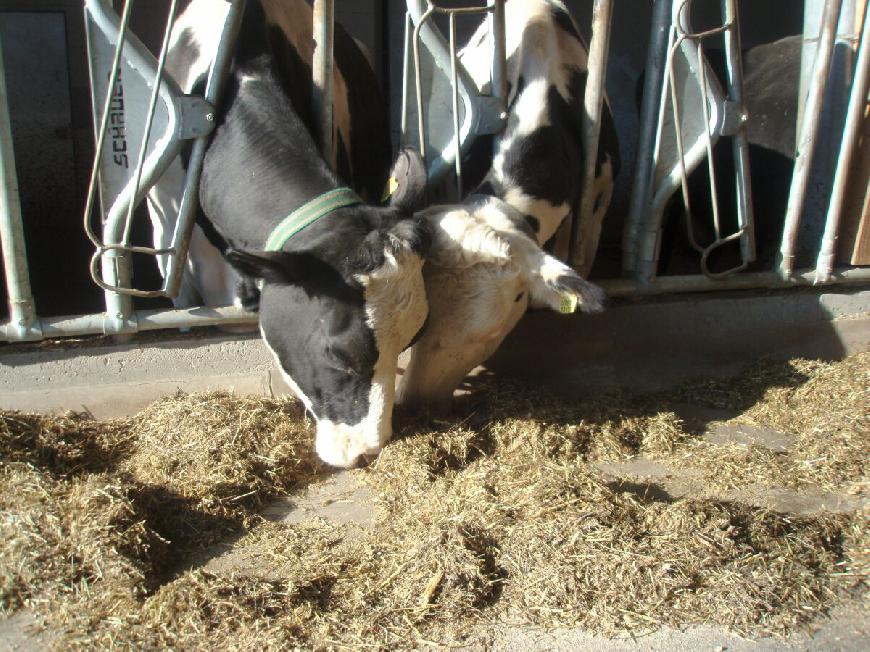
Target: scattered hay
497,517
823,406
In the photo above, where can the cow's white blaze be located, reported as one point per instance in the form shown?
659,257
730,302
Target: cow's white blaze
396,307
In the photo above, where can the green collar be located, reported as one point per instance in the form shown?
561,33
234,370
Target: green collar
308,213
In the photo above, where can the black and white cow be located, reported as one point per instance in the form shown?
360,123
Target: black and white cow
341,296
486,265
538,163
283,29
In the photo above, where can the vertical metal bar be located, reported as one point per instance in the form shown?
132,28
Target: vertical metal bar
842,62
22,313
322,72
115,266
214,87
851,133
642,189
454,91
586,229
406,62
739,142
149,120
807,140
498,68
418,81
708,141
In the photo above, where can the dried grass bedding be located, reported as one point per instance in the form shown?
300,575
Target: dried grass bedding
494,517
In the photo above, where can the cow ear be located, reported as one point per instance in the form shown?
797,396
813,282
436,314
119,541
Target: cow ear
408,181
274,266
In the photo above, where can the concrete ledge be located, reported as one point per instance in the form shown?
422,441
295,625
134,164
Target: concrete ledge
644,344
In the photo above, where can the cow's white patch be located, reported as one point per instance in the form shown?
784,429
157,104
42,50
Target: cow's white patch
396,308
202,22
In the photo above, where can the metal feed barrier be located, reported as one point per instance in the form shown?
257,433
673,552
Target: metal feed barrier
684,112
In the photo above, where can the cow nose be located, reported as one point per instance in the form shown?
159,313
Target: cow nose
346,446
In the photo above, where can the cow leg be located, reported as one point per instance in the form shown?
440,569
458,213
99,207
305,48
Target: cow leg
551,280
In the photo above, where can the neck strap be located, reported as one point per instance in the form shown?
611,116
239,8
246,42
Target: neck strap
308,213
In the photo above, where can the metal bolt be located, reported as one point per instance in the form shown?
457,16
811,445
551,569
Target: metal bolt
209,117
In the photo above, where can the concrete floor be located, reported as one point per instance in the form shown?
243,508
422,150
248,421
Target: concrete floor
644,344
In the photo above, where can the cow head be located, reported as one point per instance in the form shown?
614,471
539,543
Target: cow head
483,270
336,309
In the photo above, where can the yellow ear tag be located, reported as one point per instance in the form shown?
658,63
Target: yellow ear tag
567,303
392,186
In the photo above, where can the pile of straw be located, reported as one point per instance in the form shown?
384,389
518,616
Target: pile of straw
496,517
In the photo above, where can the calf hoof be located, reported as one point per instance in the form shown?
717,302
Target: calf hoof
589,297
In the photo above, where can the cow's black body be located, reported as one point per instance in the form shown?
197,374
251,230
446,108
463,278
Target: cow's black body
344,295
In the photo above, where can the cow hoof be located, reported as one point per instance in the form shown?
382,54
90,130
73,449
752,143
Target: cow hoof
590,297
341,445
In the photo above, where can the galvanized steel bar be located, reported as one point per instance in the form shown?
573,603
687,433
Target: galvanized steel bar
22,312
624,287
406,61
322,72
215,84
848,23
455,94
807,140
586,229
418,80
642,183
498,69
150,320
851,134
149,117
740,142
146,320
116,267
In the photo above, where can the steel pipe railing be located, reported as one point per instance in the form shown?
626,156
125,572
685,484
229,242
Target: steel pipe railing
22,323
807,140
322,73
145,320
586,226
851,133
214,88
642,183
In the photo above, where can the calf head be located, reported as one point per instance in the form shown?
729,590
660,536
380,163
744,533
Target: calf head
336,315
482,271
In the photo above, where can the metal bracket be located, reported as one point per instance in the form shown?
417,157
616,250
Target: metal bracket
491,117
197,117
